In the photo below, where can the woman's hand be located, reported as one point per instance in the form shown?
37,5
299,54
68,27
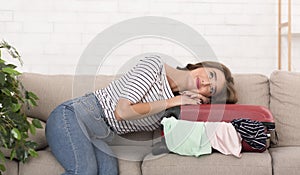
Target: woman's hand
195,96
186,100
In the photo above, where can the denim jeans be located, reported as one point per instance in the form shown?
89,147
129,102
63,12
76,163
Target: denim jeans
77,134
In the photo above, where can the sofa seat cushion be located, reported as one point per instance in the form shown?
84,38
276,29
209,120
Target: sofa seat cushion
286,160
11,167
285,105
143,138
44,164
127,167
216,163
131,153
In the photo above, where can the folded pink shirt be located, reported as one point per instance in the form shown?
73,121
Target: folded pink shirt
224,138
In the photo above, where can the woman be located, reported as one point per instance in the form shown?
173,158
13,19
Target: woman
134,102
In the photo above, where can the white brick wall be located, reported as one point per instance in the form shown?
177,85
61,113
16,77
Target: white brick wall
52,34
6,15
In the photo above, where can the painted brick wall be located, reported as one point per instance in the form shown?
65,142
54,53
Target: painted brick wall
51,34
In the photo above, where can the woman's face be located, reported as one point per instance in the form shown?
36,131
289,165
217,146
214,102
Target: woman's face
207,81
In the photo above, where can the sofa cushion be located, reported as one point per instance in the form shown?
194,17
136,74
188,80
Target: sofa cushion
39,136
11,167
127,167
252,89
52,90
285,105
216,163
286,160
142,138
131,153
44,164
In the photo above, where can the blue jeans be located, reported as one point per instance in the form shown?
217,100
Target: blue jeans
77,134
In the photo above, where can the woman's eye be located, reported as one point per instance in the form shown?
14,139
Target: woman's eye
212,90
211,75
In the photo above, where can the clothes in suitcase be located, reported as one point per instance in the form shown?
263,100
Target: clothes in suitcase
241,116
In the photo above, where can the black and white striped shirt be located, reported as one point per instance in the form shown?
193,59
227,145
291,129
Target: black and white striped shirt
145,82
252,132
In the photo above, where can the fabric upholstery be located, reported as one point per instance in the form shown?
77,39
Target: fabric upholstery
285,105
252,89
138,139
131,153
216,163
39,137
52,90
11,167
129,167
44,164
286,160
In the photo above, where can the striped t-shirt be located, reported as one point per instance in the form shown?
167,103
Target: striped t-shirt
145,82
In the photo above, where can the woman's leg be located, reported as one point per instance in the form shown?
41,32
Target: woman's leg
69,145
103,167
73,130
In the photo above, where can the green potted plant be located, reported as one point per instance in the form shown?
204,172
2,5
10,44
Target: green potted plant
14,126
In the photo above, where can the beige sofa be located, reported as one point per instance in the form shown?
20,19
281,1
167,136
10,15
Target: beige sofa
280,93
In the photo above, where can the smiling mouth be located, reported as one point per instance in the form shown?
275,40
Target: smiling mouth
198,83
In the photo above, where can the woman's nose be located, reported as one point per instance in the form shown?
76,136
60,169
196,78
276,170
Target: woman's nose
205,83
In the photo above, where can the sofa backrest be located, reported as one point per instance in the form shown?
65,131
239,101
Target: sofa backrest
52,90
285,106
252,89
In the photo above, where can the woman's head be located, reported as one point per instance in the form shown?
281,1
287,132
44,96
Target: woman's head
213,79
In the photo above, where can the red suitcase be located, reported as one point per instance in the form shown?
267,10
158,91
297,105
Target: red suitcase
227,113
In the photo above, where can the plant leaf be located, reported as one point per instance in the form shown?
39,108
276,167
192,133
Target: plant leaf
6,91
1,61
2,168
32,129
37,123
2,78
14,128
2,157
13,154
32,95
31,102
3,130
10,71
32,152
16,133
15,107
11,66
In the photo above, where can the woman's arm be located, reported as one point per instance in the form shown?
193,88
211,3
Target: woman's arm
125,110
